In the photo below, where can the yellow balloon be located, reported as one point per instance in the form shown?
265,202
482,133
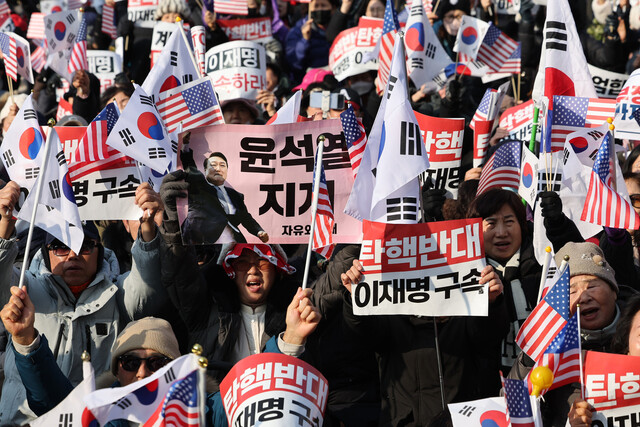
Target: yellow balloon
541,378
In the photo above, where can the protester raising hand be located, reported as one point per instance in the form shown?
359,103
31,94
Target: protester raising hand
151,204
18,316
302,318
580,413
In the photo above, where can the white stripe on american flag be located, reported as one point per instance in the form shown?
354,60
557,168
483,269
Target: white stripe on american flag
78,60
565,367
11,62
4,8
357,150
79,170
598,112
496,55
174,110
108,23
535,343
501,177
38,59
179,414
233,7
605,207
384,59
36,26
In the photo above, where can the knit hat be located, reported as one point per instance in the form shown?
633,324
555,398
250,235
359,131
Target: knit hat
147,333
171,6
447,5
587,258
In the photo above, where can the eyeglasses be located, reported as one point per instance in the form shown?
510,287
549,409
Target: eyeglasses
450,18
60,249
244,265
132,363
635,200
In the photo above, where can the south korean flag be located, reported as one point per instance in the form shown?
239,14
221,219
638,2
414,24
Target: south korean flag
140,133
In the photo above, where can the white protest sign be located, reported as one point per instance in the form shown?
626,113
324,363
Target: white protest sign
607,83
142,12
347,53
105,65
238,69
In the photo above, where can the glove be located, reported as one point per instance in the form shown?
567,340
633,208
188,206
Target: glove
173,186
432,201
452,93
551,205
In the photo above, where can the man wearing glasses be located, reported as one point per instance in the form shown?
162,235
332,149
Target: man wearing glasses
81,301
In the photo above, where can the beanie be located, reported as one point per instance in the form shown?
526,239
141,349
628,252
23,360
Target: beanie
587,258
147,333
171,6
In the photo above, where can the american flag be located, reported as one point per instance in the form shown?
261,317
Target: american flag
355,136
482,112
496,48
604,206
572,113
503,168
38,59
233,7
389,28
563,355
93,153
193,105
513,64
36,26
323,232
636,115
4,8
546,320
180,407
78,60
8,46
75,4
109,21
519,408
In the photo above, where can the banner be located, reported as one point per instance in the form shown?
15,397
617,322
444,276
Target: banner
269,174
142,12
518,121
254,29
272,389
347,53
443,139
101,195
238,69
619,417
105,65
161,33
611,380
427,269
607,83
627,102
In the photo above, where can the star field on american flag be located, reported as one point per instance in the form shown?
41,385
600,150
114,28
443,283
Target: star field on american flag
601,163
518,401
636,115
570,111
567,339
558,296
482,112
508,155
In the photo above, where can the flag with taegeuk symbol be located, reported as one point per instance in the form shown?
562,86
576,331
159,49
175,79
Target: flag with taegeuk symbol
547,319
503,168
562,356
78,60
604,205
323,232
355,137
193,104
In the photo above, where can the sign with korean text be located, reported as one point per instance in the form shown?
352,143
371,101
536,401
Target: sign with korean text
272,389
238,69
102,193
269,182
518,121
347,53
443,139
607,83
626,416
254,29
142,12
627,102
429,269
105,65
611,380
161,33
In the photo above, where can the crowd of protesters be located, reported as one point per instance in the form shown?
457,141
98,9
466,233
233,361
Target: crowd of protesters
241,299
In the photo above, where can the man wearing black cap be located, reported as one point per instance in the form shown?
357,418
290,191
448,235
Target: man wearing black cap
81,300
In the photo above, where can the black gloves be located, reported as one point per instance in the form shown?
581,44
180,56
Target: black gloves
432,201
551,205
172,187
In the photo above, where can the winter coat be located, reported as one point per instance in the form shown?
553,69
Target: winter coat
303,54
91,322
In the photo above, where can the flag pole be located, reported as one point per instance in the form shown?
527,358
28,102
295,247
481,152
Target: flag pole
513,86
545,271
10,83
184,37
47,148
203,362
439,361
314,208
612,154
580,354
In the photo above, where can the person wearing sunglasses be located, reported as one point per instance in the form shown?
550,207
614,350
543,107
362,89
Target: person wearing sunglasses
81,300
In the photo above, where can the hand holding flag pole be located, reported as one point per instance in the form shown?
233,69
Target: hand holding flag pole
314,208
47,148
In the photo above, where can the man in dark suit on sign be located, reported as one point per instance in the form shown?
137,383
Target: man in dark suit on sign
215,211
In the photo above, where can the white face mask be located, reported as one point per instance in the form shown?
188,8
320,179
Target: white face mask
263,10
452,27
361,87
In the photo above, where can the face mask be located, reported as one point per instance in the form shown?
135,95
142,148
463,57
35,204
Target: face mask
452,27
321,17
362,87
263,10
